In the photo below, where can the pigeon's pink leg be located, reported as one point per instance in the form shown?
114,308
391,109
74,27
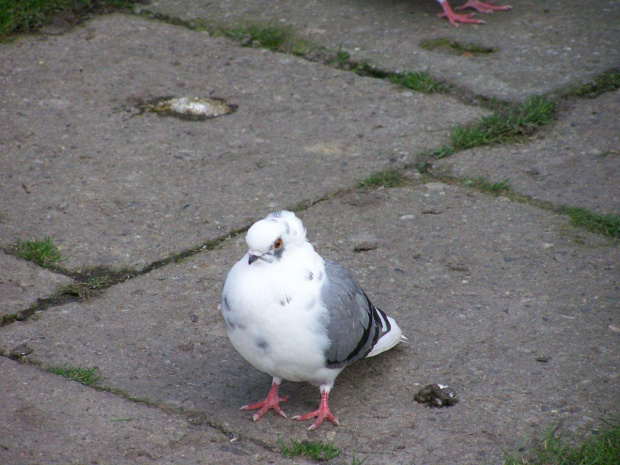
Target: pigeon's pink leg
320,414
270,402
454,18
483,7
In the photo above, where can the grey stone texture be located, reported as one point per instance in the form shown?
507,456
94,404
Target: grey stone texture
538,47
481,300
507,302
122,189
575,163
22,283
51,420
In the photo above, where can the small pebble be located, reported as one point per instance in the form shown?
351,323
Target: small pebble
436,186
364,242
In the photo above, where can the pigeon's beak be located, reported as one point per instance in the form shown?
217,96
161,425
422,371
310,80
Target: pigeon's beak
253,257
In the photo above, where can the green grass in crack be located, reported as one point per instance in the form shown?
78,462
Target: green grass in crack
608,225
500,126
391,177
30,15
342,58
519,121
44,253
86,376
553,449
607,82
82,290
273,37
420,82
499,187
437,154
313,449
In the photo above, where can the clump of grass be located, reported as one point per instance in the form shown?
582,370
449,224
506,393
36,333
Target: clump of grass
342,58
607,82
421,82
521,120
312,449
499,187
97,282
500,126
553,449
438,153
44,253
86,376
391,177
82,290
271,36
30,15
608,225
275,37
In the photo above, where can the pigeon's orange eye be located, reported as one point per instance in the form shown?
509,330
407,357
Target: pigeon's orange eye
277,244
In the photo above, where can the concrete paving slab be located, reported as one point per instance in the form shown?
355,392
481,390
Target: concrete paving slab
538,47
120,189
48,419
576,163
23,283
502,301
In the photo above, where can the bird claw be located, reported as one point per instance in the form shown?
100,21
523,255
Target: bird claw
478,5
318,422
270,402
260,413
454,18
483,7
320,414
264,407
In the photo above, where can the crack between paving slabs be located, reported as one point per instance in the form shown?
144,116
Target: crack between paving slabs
118,277
422,164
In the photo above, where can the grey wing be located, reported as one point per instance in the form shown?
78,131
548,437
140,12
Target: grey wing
354,325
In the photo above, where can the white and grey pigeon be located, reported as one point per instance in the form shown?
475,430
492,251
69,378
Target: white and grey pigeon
298,317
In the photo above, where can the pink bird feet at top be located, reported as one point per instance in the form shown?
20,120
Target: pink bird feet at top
482,7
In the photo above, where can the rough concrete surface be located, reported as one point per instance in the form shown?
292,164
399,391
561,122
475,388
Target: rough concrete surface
22,283
123,189
508,303
576,163
50,420
538,46
480,301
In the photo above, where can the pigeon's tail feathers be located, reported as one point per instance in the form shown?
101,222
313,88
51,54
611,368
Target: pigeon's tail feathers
391,335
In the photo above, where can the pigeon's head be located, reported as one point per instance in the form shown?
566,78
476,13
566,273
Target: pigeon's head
268,238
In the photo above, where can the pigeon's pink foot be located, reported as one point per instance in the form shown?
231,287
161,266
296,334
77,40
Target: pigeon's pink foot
270,402
454,18
483,7
320,414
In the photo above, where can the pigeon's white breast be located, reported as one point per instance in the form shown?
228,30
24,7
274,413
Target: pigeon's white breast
275,320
